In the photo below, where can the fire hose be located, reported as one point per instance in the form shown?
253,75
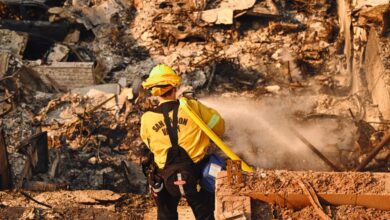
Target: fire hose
210,133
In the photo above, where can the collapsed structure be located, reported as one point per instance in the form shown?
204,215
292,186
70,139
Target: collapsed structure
61,130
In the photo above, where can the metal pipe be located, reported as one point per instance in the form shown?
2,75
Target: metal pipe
315,150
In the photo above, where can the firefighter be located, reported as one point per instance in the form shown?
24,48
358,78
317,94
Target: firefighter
178,146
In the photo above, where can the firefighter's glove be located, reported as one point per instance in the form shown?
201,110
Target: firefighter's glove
156,185
147,160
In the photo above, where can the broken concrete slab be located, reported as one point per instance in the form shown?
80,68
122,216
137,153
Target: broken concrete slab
58,53
102,13
72,38
218,16
114,102
233,207
184,212
269,11
79,197
111,88
122,82
128,93
237,4
224,13
13,42
69,74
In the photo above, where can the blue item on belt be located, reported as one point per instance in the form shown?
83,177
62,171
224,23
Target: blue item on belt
212,165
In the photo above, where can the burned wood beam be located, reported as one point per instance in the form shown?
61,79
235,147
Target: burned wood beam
5,170
36,149
54,166
43,29
374,152
6,111
42,186
39,3
8,100
126,171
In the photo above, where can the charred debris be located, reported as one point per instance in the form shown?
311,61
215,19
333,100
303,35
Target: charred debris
70,73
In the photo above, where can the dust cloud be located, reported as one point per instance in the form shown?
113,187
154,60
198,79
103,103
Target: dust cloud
259,132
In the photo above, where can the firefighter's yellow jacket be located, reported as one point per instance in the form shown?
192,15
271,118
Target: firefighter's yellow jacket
191,137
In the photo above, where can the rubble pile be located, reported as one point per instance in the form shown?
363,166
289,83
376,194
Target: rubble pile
260,39
264,211
250,43
74,204
356,183
71,97
92,139
290,194
340,212
102,133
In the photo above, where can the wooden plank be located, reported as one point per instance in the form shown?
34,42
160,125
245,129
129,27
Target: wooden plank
4,59
5,173
25,2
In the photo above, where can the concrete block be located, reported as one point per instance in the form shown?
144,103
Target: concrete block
185,213
233,207
69,74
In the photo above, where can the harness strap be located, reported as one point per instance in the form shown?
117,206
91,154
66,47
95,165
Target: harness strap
171,127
